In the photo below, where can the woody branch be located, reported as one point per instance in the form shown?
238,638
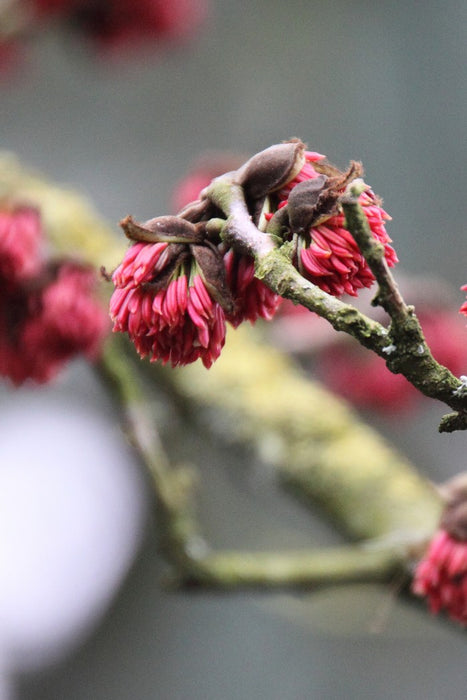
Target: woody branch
402,345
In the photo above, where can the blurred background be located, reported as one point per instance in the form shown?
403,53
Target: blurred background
82,611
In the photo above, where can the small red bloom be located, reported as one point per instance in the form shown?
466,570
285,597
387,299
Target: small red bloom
20,240
252,298
463,309
43,328
327,254
363,378
174,320
441,576
205,169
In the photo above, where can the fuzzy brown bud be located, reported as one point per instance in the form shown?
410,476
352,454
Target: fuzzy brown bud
171,229
211,264
303,203
271,169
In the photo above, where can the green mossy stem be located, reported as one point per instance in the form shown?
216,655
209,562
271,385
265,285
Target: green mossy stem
411,355
301,569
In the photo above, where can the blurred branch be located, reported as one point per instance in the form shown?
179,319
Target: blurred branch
182,545
257,397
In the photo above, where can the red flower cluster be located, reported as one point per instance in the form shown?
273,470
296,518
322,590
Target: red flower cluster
171,311
327,254
111,24
441,576
48,312
169,259
20,240
118,22
252,299
463,309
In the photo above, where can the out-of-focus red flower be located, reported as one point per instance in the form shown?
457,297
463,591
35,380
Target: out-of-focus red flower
43,326
48,311
111,24
327,254
169,317
362,377
20,241
116,23
357,374
204,170
441,576
463,309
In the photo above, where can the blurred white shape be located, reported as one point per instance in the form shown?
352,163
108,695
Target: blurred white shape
72,510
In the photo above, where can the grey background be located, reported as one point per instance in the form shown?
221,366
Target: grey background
381,82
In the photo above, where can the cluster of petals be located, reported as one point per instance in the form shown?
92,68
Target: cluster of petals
48,311
50,325
177,323
463,309
20,242
329,256
252,298
113,26
441,576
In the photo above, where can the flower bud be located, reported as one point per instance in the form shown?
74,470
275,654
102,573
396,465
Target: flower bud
167,229
441,576
271,169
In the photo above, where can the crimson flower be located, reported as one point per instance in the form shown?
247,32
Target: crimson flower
44,324
208,166
441,576
161,300
363,378
463,309
327,254
20,241
111,24
252,298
